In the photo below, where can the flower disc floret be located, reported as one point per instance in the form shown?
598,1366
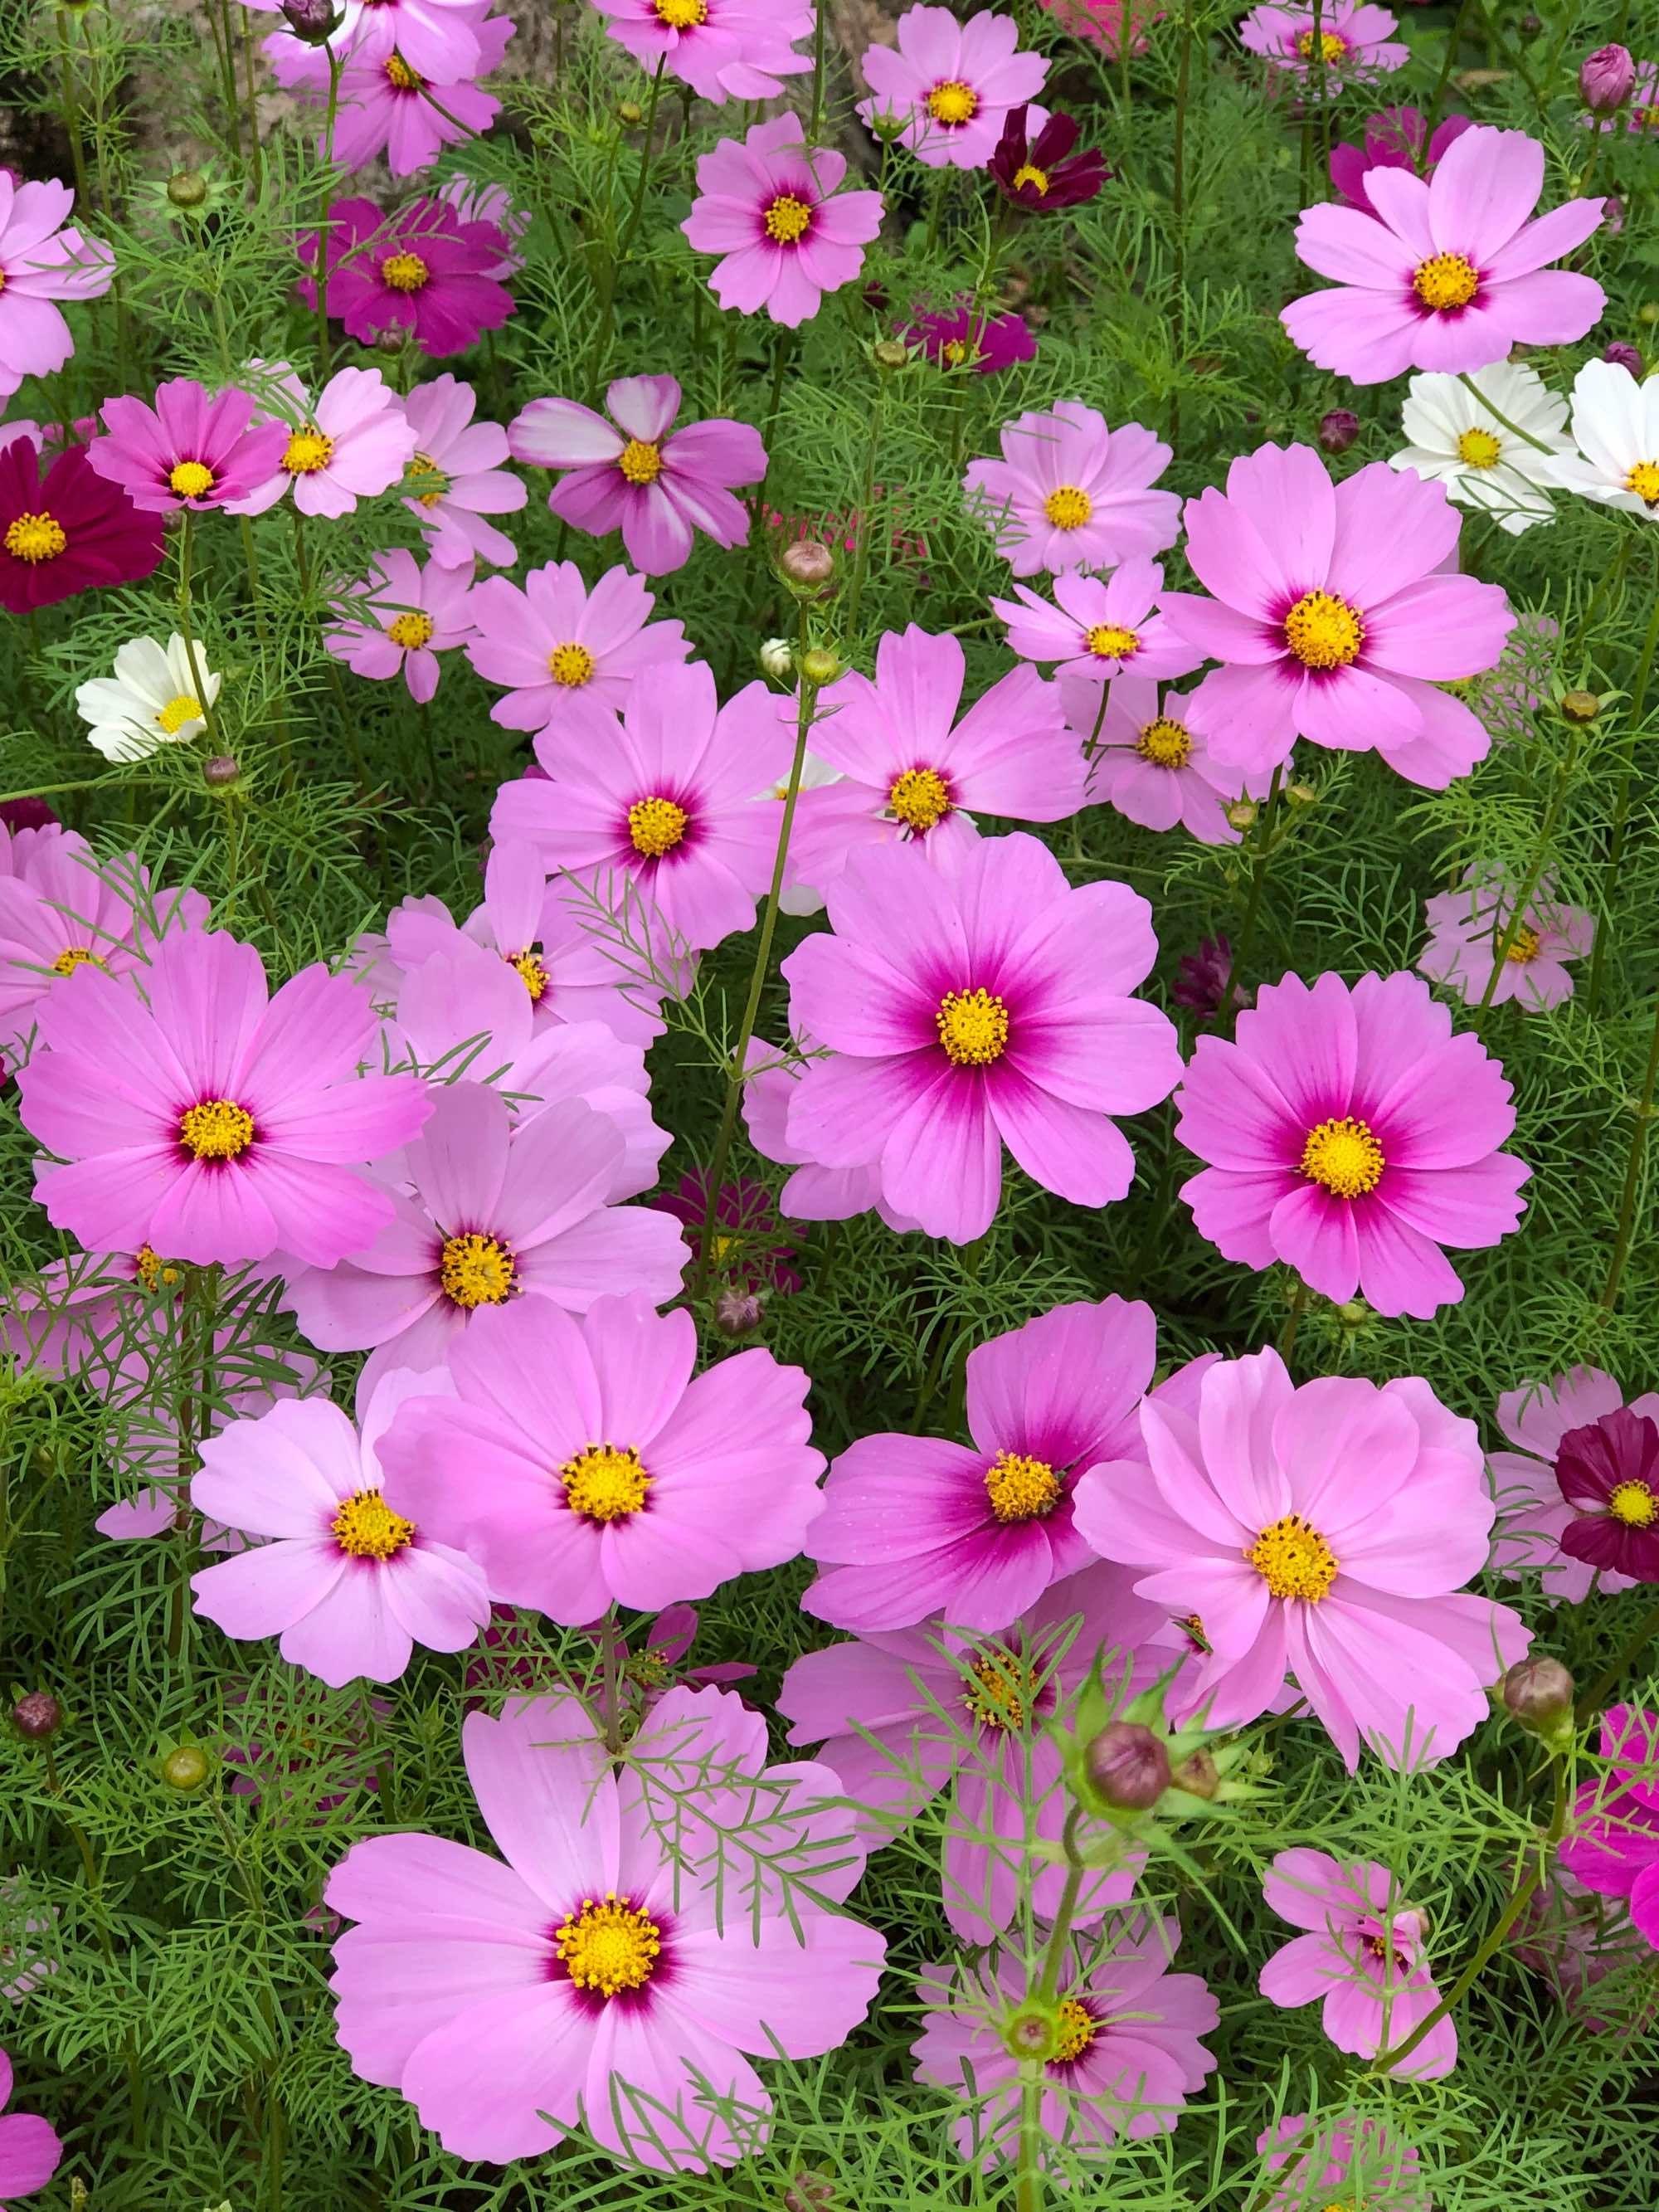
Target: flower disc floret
953,103
919,797
1068,507
190,479
405,273
1324,631
641,461
1344,1157
1020,1487
608,1946
1165,744
605,1482
973,1027
1074,2031
1110,641
788,219
308,451
1479,448
1642,483
216,1129
1634,1504
411,631
76,956
656,826
35,538
1293,1559
477,1270
1446,282
365,1528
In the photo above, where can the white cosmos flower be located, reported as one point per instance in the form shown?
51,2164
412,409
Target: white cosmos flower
152,699
1615,425
815,775
1483,463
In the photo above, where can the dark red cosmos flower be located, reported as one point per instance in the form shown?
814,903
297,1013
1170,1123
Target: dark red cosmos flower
1042,174
989,343
747,1245
1608,1473
67,532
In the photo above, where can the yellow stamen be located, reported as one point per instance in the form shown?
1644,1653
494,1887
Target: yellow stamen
404,272
639,461
34,538
1068,507
1633,1503
1445,281
1323,631
1021,1488
1480,449
475,1270
421,466
1331,48
1077,2031
400,74
1343,1157
955,351
190,479
410,632
973,1027
1110,641
1164,743
155,1273
608,1946
308,451
682,15
1293,1559
999,1695
788,219
605,1482
572,665
953,103
1030,174
1642,481
365,1528
1523,946
530,973
216,1129
919,797
76,956
184,706
656,826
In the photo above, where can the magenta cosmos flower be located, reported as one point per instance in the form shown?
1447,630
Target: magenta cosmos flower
771,208
1149,763
494,1215
1393,140
723,49
1068,493
1360,1957
628,473
67,532
1325,1532
913,1526
1468,930
30,2151
583,1465
910,771
555,640
1126,2050
208,1120
663,797
1341,40
193,449
42,258
399,618
1318,2161
1614,1848
901,1717
388,106
1446,274
1349,1134
455,478
1333,618
959,338
596,1977
1608,1473
1098,627
950,84
422,270
348,1586
1533,1507
352,443
977,1003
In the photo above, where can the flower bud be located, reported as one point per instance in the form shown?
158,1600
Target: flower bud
1580,706
1623,356
185,1770
1242,813
820,666
807,565
220,771
738,1312
1030,2034
390,343
313,21
808,2192
1539,1694
1648,312
1198,1775
890,353
187,188
37,1714
1301,794
777,659
1613,214
629,112
1337,430
1606,79
1127,1766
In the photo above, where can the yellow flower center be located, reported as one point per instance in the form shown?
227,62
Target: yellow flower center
216,1129
308,451
1331,48
954,352
1324,632
1642,481
530,972
1293,1559
1480,449
1076,2033
190,479
1068,507
365,1528
919,798
477,1270
76,956
656,826
184,706
1445,281
1164,743
953,103
609,1945
404,272
1633,1503
572,665
605,1482
640,462
999,1694
788,219
421,466
155,1273
1523,946
400,74
1343,1157
410,632
973,1027
1110,641
1030,174
1021,1488
34,538
682,15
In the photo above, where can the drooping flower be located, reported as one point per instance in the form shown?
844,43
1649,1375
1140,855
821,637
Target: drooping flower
193,449
772,209
1533,1509
1325,1532
1068,493
30,2150
723,49
662,796
976,1002
1125,2031
44,259
1473,448
1034,166
1331,2158
961,338
422,270
1350,1135
1339,41
1608,1473
1149,763
351,443
1204,979
951,84
553,640
1446,274
387,105
1616,427
150,701
812,1192
1100,627
1473,930
627,472
1393,140
1361,1957
1334,618
596,1974
1613,1844
69,531
916,1526
208,1120
402,617
455,478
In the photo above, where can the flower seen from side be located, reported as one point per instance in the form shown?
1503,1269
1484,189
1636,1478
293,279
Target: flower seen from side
454,478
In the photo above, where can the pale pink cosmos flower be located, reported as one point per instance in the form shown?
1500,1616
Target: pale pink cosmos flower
952,83
723,49
1467,932
1098,627
454,476
1068,493
812,1192
1614,1846
1533,1512
1338,42
352,443
770,207
1324,1532
193,449
554,640
631,471
1149,763
1325,2160
583,1465
1361,1957
1447,274
42,258
438,37
399,618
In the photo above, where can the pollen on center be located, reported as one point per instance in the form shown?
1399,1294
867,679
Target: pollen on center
571,665
1479,449
216,1129
1164,743
1021,1488
1634,1504
1068,507
1344,1157
184,706
34,538
190,479
920,799
605,1482
1324,631
1332,47
682,15
608,1946
1029,173
1075,2031
400,76
788,219
1523,947
409,631
1110,641
474,1270
365,1528
1293,1559
639,461
953,103
308,449
656,825
973,1027
76,956
531,971
405,273
1445,281
1644,483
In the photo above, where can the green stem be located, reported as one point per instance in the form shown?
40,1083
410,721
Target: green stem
862,551
1264,830
1498,415
814,127
1534,876
71,110
1638,1139
1029,2191
638,207
1178,215
256,154
320,272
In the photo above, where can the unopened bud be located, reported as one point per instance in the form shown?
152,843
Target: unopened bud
220,770
1242,813
1606,79
808,564
187,188
808,2192
1539,1694
1198,1775
1648,312
629,112
1337,430
184,1769
777,659
1354,1315
1301,794
890,353
1030,2034
1623,356
736,1312
819,665
313,21
1127,1766
37,1714
390,343
1580,706
1613,214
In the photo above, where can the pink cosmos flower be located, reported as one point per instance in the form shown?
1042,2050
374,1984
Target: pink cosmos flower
1336,43
959,338
772,209
494,1215
1614,1846
1325,2158
459,461
902,1717
913,1526
352,443
1350,1135
1533,1513
474,202
554,642
388,106
206,1119
1393,140
1468,929
1446,273
954,81
662,796
1148,760
628,473
43,257
812,1192
1640,111
193,449
1105,23
748,1248
420,270
409,615
22,840
1326,1531
723,49
1361,1956
909,770
30,2150
84,1312
1100,628
1335,618
973,1003
439,37
582,1464
596,1975
1128,2054
1068,493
